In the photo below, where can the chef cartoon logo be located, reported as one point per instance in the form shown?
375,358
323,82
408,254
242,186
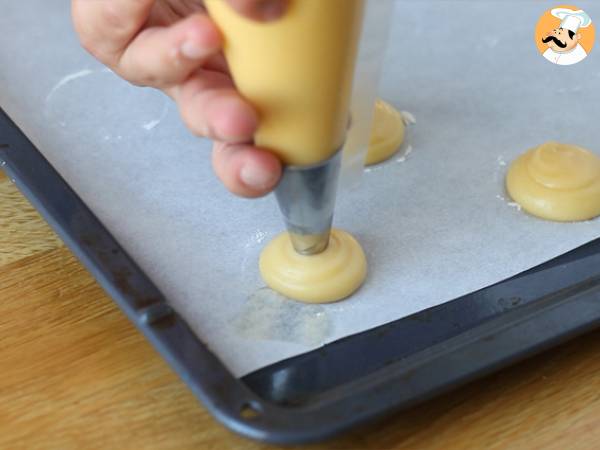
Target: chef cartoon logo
565,35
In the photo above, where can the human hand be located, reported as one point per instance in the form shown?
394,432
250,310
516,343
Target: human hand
173,45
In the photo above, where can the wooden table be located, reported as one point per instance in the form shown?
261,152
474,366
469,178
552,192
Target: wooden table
74,373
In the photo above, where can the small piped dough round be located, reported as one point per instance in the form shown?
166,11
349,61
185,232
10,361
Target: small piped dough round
387,135
557,182
327,277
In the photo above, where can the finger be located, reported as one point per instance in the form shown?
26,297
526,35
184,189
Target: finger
106,27
263,10
211,107
163,56
217,63
245,170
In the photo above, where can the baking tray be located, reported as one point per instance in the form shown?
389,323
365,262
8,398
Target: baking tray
348,382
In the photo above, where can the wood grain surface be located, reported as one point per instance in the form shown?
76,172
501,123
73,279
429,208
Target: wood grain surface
75,374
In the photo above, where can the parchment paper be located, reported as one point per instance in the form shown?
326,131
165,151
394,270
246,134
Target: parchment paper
435,223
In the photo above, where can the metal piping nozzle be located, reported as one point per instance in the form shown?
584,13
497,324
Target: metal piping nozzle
306,196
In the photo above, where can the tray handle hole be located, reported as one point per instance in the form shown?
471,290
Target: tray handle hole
250,411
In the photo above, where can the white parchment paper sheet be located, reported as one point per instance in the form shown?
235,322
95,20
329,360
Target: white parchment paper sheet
435,224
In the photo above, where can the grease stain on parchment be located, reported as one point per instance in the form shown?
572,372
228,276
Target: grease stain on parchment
270,316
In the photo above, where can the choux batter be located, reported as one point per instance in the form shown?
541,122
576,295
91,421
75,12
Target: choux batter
304,98
324,278
387,135
555,181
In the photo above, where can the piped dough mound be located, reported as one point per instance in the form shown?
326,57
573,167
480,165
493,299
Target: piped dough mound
387,135
327,277
558,182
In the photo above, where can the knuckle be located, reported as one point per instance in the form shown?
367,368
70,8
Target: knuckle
89,45
92,46
196,124
141,75
145,80
137,73
113,17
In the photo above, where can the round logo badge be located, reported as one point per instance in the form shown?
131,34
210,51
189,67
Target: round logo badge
565,35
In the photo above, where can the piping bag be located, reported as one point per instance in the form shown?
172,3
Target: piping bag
298,73
371,52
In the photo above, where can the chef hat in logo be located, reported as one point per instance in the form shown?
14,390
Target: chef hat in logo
572,20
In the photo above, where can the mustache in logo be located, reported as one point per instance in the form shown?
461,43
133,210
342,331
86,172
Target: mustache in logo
556,41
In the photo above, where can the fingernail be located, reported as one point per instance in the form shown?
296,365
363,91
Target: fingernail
271,9
193,50
256,177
